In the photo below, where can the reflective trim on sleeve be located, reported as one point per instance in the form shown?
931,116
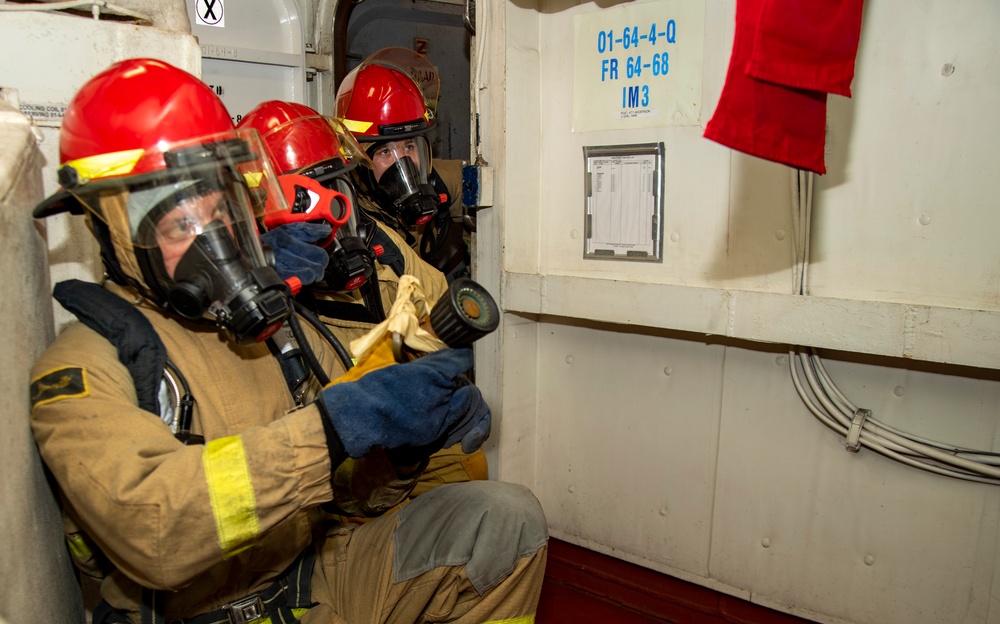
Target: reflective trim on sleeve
231,491
524,619
78,546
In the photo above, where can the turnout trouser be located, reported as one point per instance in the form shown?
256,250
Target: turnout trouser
468,553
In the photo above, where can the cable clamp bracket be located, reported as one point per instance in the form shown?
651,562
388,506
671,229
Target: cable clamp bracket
854,434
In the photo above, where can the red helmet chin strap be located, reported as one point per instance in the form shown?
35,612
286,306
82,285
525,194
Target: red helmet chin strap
310,201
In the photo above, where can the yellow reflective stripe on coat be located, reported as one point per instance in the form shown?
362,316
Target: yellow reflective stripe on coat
233,502
524,619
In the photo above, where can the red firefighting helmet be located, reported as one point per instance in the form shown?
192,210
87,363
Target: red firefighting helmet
391,95
118,123
300,140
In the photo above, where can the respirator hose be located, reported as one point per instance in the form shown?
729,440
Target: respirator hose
314,365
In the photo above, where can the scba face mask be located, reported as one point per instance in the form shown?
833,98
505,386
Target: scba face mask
401,174
351,262
195,240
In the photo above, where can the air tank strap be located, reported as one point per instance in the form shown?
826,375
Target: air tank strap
139,347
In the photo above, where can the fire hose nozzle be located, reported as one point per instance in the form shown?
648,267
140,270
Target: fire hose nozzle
464,314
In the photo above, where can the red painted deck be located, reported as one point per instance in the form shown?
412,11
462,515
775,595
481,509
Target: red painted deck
585,587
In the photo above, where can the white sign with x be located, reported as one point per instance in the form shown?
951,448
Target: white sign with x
210,13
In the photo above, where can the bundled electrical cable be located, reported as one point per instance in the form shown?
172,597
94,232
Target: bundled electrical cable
832,407
860,429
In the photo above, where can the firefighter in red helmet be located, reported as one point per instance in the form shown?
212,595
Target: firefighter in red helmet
392,113
301,141
200,465
178,187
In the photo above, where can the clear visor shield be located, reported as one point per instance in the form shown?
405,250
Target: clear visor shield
191,227
198,184
409,175
345,188
177,214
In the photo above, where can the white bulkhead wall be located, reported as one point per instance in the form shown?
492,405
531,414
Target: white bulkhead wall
251,51
650,405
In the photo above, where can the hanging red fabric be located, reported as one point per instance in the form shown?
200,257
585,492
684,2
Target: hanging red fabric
787,56
807,44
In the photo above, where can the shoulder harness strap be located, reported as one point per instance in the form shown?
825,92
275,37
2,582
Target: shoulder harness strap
140,348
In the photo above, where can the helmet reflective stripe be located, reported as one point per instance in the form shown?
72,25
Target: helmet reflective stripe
105,165
357,126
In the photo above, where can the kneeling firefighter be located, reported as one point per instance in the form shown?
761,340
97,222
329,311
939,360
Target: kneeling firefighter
351,280
201,467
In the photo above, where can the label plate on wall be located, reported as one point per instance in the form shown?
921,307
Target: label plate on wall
638,65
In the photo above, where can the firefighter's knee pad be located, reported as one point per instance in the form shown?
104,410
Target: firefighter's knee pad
444,526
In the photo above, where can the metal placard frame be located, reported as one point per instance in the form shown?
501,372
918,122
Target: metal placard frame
623,187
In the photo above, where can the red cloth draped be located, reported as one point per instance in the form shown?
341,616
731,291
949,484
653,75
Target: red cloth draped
787,56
